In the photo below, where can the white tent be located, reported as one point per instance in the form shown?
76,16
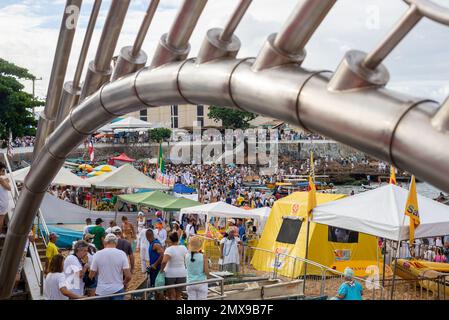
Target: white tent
263,214
219,210
126,177
64,178
130,123
380,212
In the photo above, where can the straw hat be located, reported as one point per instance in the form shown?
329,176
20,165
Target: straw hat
195,244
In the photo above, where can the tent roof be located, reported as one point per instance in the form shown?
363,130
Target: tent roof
64,178
220,209
123,157
158,200
181,188
263,212
380,212
130,123
126,177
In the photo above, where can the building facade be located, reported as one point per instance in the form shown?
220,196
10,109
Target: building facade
183,116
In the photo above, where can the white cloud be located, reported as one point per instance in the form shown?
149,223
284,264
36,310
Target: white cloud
419,65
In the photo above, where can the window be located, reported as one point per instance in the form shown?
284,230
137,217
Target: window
289,230
174,117
200,115
342,235
144,115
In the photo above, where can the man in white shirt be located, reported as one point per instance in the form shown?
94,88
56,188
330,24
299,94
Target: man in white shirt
75,266
229,250
88,225
4,199
190,229
112,266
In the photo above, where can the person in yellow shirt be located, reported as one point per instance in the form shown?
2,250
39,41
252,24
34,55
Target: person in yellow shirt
52,249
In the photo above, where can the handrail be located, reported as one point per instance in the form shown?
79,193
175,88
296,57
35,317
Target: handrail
162,288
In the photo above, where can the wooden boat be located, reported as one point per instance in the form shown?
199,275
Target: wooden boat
425,274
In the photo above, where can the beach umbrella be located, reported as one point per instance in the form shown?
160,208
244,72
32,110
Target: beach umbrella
86,167
105,168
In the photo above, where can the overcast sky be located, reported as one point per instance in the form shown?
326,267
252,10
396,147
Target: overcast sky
419,65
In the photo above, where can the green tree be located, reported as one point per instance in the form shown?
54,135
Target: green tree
15,103
231,118
159,134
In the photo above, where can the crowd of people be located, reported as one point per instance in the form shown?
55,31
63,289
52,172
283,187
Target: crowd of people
102,264
19,142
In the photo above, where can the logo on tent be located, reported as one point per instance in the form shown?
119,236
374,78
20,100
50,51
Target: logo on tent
342,255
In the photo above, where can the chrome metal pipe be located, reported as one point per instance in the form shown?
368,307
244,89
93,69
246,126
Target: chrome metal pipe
404,26
134,58
100,69
381,122
288,45
72,90
86,43
441,119
59,69
174,46
234,21
221,43
144,27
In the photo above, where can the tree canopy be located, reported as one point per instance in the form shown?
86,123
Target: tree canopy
230,118
15,103
159,134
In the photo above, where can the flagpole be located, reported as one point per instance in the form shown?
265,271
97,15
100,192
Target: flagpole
307,254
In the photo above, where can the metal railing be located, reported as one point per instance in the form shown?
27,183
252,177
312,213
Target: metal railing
145,292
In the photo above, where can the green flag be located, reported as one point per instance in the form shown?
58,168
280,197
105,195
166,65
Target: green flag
160,161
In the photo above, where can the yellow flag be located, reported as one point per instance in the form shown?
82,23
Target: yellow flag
392,175
411,209
311,201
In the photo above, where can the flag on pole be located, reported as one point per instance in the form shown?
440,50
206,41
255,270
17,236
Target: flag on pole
311,201
392,175
160,161
91,150
411,209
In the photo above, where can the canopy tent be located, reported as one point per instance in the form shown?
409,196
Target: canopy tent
263,213
123,158
57,211
220,210
193,196
158,200
183,189
64,178
380,212
285,233
130,123
126,177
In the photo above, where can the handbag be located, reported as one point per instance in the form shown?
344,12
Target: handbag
160,279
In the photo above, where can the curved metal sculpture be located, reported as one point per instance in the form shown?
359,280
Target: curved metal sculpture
351,106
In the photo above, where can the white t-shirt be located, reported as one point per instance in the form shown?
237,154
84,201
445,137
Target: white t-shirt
86,229
176,265
52,285
190,230
72,268
230,250
4,200
161,235
144,245
109,264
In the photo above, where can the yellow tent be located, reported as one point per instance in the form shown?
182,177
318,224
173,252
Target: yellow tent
285,232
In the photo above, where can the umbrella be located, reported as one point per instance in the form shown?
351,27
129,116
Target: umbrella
105,168
86,167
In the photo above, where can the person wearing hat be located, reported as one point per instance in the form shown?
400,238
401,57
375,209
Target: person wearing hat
197,270
160,233
229,251
350,289
177,228
99,233
52,249
124,245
